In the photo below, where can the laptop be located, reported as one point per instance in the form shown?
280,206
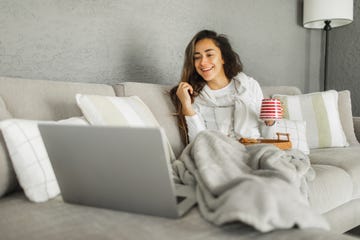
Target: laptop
120,168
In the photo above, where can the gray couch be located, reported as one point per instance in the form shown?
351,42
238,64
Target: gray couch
335,192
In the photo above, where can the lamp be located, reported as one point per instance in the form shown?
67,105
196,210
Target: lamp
327,14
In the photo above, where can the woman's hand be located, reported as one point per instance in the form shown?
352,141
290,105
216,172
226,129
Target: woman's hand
269,122
183,93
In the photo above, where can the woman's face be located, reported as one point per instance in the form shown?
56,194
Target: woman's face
208,61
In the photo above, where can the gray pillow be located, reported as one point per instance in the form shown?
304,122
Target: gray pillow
8,182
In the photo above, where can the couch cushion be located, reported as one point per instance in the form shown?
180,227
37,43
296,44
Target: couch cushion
344,217
356,121
46,100
7,175
21,219
347,158
331,188
4,112
269,91
156,97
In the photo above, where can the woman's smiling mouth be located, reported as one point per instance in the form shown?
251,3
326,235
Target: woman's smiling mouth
206,69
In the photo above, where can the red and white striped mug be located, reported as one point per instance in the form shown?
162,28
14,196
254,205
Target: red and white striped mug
271,109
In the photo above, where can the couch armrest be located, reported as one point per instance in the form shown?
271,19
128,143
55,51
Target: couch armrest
357,127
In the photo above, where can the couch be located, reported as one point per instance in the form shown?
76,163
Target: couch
334,193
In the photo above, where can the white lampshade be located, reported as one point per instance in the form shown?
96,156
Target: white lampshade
339,12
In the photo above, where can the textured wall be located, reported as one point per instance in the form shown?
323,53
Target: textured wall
135,40
344,59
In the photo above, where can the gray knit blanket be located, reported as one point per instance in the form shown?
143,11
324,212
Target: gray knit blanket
259,185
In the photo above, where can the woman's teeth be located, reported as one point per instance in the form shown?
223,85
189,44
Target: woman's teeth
206,69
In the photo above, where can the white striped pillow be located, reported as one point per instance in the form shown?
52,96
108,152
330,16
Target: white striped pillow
118,111
297,132
320,112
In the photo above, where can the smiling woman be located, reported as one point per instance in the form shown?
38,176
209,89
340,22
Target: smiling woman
215,94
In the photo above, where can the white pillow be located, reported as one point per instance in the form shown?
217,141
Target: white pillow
297,132
118,111
29,157
320,112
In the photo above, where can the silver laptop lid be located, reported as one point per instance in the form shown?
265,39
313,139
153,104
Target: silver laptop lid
120,168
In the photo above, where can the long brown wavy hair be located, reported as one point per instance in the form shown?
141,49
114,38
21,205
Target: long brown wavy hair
232,66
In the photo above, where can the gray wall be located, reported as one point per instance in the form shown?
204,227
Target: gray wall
109,41
344,59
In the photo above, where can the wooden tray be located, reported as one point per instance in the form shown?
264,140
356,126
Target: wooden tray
282,144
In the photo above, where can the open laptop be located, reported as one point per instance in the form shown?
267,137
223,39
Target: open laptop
120,168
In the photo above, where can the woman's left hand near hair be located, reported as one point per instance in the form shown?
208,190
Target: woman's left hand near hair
183,93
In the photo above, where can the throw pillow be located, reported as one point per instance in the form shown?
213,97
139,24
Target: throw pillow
29,157
297,132
346,116
118,111
320,112
8,181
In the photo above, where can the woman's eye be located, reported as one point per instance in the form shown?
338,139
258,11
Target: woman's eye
197,57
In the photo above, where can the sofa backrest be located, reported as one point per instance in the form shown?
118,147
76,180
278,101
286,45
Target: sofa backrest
46,100
38,100
55,100
157,99
286,90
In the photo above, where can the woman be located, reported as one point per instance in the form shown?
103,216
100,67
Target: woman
214,93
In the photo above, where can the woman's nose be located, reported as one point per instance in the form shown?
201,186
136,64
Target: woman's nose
203,60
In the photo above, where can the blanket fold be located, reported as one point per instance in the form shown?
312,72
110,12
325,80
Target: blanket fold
259,185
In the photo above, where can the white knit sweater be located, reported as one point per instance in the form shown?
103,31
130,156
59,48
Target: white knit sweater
233,110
